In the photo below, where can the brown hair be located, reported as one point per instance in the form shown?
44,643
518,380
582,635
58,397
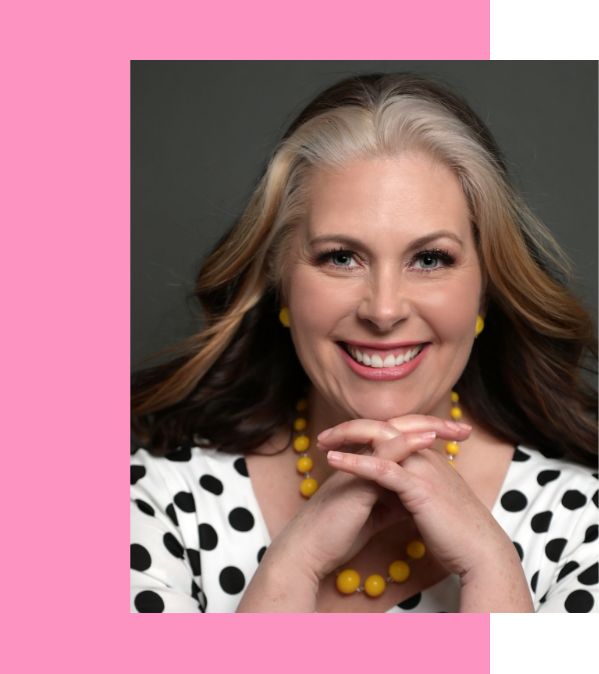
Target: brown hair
234,383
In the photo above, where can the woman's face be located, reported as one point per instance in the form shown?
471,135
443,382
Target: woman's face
384,271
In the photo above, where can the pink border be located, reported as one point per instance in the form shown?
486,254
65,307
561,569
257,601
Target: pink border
67,208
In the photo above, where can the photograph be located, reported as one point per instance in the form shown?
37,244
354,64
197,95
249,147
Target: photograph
363,337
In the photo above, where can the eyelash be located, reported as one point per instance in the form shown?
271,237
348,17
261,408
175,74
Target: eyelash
444,256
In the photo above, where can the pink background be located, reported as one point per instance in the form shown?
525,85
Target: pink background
65,208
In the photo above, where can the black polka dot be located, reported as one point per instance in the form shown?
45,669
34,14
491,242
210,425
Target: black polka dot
534,580
541,521
573,499
211,484
241,519
579,601
519,550
148,602
144,507
171,512
546,476
173,545
411,602
194,561
241,467
180,454
199,596
567,568
513,501
551,452
590,576
591,533
208,537
140,557
519,455
543,599
184,501
137,472
554,549
594,498
261,553
231,580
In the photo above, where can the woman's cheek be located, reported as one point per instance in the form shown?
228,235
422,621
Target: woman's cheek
452,311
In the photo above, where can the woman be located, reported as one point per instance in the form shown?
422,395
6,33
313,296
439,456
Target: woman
388,320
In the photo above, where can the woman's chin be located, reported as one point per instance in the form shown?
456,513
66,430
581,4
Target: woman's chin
381,410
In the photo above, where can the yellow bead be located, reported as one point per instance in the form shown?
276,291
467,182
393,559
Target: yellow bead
374,585
284,317
304,464
456,413
452,448
416,549
454,397
300,424
399,571
308,487
301,405
348,581
301,443
480,325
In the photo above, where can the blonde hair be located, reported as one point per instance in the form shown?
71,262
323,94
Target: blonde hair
379,116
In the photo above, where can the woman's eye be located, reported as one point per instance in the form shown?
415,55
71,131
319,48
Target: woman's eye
429,260
338,258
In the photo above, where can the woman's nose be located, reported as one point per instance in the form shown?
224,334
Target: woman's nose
384,302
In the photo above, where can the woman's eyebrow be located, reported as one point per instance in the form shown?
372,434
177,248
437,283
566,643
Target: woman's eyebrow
416,243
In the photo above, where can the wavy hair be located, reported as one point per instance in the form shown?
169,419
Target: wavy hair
232,385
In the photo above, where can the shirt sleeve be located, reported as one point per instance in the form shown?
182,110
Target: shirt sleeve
574,587
165,574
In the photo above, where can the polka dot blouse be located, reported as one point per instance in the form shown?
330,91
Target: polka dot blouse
197,534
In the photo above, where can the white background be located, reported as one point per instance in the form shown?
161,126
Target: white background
544,29
539,30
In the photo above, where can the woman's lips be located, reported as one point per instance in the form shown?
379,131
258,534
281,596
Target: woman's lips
383,373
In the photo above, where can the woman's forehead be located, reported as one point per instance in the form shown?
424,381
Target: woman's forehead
412,193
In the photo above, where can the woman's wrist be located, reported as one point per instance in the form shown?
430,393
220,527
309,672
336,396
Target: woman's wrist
281,583
496,584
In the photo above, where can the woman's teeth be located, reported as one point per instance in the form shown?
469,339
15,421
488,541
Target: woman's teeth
390,360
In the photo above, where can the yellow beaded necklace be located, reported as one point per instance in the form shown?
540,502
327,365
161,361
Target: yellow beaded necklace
348,580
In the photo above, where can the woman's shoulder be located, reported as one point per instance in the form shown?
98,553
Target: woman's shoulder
553,472
548,507
187,460
190,470
537,479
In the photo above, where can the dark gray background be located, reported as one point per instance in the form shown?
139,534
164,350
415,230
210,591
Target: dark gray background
202,132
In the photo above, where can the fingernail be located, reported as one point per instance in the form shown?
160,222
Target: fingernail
468,427
453,425
324,434
430,435
334,456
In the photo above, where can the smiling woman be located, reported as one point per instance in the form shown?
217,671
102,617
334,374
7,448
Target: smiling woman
390,323
404,288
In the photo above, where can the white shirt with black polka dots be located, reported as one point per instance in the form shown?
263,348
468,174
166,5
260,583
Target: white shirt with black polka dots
197,534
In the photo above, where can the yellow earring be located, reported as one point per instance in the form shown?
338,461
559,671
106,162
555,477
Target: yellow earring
480,325
284,317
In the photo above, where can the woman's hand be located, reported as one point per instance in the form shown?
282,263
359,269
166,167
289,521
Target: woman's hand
456,527
337,521
347,511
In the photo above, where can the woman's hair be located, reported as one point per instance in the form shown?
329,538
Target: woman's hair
232,385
